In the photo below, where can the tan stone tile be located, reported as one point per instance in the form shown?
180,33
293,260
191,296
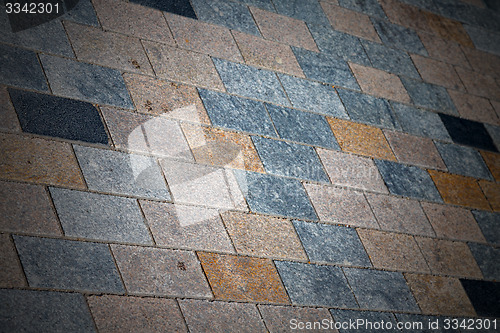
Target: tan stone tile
474,107
440,295
448,29
444,49
11,272
168,99
492,192
243,278
8,117
437,72
39,161
405,15
284,29
479,84
379,83
483,62
493,162
264,236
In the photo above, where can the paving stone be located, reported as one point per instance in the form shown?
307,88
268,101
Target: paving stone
11,272
183,66
393,251
8,117
494,132
394,35
342,206
42,311
302,127
490,225
437,72
483,39
463,160
316,285
264,4
20,68
58,117
448,29
281,318
90,83
492,193
227,13
338,44
488,259
448,257
203,316
265,236
161,272
420,122
482,62
479,84
68,265
38,160
179,7
443,49
406,15
409,181
125,313
284,29
331,244
429,96
243,278
121,173
325,68
380,290
217,147
275,195
426,323
347,316
313,96
290,160
468,132
190,227
424,4
390,60
237,113
484,296
369,80
309,11
83,12
352,171
370,7
361,139
251,82
168,99
474,107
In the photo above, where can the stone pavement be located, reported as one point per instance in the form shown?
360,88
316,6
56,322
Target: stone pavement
251,165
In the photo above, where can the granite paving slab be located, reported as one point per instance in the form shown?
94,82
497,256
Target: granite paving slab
369,7
309,11
277,318
488,259
484,296
463,160
429,96
347,316
399,37
179,7
468,132
484,40
11,274
390,60
490,225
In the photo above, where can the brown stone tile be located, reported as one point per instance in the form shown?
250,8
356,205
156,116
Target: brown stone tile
284,29
11,272
437,72
152,271
183,66
342,206
168,99
8,117
38,160
440,295
459,190
263,236
393,251
399,214
448,29
492,192
134,314
278,318
379,83
453,222
223,148
483,62
267,54
361,139
349,21
203,37
133,20
444,49
477,3
243,278
449,257
493,162
474,107
405,15
496,106
415,150
479,84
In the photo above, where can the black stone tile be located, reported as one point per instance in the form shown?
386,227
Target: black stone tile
58,117
484,296
468,132
179,7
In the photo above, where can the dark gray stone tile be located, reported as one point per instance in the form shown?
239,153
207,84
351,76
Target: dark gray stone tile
463,160
251,82
302,126
484,296
332,244
316,285
101,217
290,159
44,311
425,322
484,40
313,96
429,96
264,4
325,68
399,37
381,290
468,132
237,113
87,82
368,7
179,7
338,44
469,14
122,173
494,132
83,13
408,181
368,109
305,10
20,68
346,316
489,223
390,60
488,259
70,265
275,195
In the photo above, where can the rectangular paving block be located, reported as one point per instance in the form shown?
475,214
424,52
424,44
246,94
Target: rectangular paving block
331,244
309,11
8,117
468,132
369,7
474,107
88,82
68,265
492,160
488,259
263,4
494,131
429,96
444,49
491,191
58,117
397,36
348,316
11,272
390,60
482,62
161,272
315,285
179,7
427,323
463,160
280,318
483,39
484,85
489,223
437,72
83,12
484,296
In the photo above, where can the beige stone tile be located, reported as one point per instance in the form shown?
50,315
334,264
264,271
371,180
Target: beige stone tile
483,62
437,72
491,191
479,84
474,107
443,49
448,29
11,272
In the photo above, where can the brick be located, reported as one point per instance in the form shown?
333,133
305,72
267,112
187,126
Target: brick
490,225
179,7
430,96
243,278
444,49
370,7
483,295
8,118
463,160
491,191
394,35
437,72
474,107
468,132
310,12
278,318
479,84
488,259
11,273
